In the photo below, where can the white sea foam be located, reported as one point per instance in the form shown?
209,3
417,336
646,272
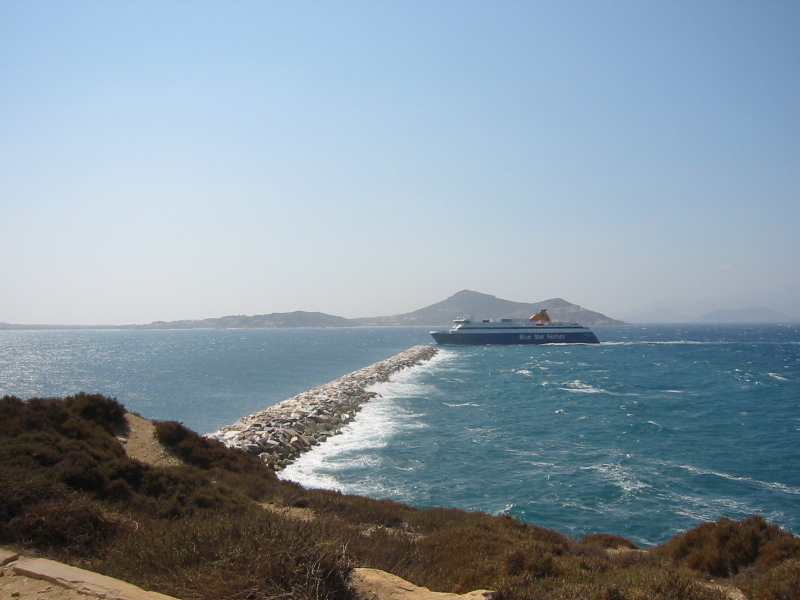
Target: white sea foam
505,510
484,436
708,509
581,387
765,484
660,343
458,405
619,476
778,377
774,485
357,443
354,447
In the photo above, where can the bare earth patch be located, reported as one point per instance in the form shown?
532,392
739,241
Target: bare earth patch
16,586
141,443
290,512
26,577
374,584
733,593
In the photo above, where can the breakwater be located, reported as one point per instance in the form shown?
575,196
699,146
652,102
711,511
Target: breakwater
280,433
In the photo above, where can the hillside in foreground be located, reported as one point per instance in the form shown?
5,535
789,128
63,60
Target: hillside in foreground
220,525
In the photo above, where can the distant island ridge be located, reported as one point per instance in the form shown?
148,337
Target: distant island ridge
465,302
486,306
751,306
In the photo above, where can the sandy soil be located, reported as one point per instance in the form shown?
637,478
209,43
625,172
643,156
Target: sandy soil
373,584
16,586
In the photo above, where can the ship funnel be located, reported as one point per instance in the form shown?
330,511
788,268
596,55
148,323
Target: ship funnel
541,316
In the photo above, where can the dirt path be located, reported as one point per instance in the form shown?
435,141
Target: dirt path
141,443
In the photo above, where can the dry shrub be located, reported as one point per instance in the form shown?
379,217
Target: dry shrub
20,488
535,560
48,429
255,555
635,583
105,412
725,547
41,512
783,548
606,540
206,454
780,583
64,525
80,471
451,550
356,509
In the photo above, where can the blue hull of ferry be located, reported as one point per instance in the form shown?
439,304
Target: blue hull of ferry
448,338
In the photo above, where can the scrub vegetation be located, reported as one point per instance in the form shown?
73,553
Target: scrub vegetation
219,527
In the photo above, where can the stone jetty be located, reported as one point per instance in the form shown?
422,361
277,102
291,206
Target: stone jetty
278,434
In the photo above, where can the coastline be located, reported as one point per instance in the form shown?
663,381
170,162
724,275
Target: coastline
279,433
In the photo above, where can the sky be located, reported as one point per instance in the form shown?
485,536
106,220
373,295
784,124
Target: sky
185,160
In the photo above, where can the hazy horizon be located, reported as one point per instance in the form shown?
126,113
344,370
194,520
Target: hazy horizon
194,160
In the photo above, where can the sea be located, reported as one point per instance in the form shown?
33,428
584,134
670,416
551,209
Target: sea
653,431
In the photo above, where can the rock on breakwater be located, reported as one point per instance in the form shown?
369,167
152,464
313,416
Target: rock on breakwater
278,434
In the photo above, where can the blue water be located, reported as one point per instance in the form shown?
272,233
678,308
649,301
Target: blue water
651,432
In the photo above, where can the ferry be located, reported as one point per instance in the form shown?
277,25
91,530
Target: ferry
539,329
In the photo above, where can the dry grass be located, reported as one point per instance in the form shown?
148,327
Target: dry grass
67,490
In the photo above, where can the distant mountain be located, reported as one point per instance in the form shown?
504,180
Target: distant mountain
744,315
484,306
774,307
297,318
14,326
480,306
657,313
